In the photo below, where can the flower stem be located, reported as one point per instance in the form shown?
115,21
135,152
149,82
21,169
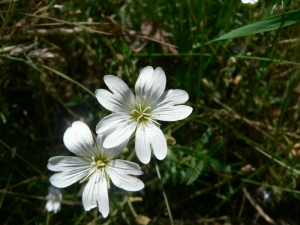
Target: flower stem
164,193
131,208
23,159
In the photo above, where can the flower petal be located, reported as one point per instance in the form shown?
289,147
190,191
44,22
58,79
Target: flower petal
110,123
119,136
120,89
125,167
56,207
110,101
102,197
142,144
124,181
109,153
172,97
79,139
172,113
89,193
117,129
49,206
64,163
168,108
68,177
53,206
150,85
158,141
114,102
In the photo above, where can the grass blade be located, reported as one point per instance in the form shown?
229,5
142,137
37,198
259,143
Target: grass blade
272,23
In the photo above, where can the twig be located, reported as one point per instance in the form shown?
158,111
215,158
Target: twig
21,158
237,116
258,208
93,30
66,202
47,25
211,187
67,23
214,220
20,183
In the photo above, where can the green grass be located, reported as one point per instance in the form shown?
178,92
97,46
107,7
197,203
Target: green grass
241,140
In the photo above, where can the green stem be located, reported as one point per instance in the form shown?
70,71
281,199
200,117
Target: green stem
131,208
164,193
20,157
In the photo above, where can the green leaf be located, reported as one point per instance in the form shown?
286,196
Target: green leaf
271,23
194,172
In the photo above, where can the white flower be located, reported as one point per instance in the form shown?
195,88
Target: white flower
54,198
95,164
252,2
139,114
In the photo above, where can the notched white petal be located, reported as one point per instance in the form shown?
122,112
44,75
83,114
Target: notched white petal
125,181
111,101
89,194
144,75
110,123
150,85
158,142
126,167
159,84
52,206
110,153
172,97
142,84
142,145
172,113
120,135
67,178
120,89
79,139
63,163
102,197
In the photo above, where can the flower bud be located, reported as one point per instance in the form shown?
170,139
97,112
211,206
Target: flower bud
142,220
170,140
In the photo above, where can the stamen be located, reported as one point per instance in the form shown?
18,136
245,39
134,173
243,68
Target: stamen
147,108
152,120
92,170
107,181
135,111
143,114
139,117
96,167
94,161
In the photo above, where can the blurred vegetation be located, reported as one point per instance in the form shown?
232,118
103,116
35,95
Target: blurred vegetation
236,158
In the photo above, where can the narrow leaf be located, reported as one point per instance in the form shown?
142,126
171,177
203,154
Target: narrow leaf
194,172
271,23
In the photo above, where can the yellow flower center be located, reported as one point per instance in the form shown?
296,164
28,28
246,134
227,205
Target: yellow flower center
142,114
98,165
